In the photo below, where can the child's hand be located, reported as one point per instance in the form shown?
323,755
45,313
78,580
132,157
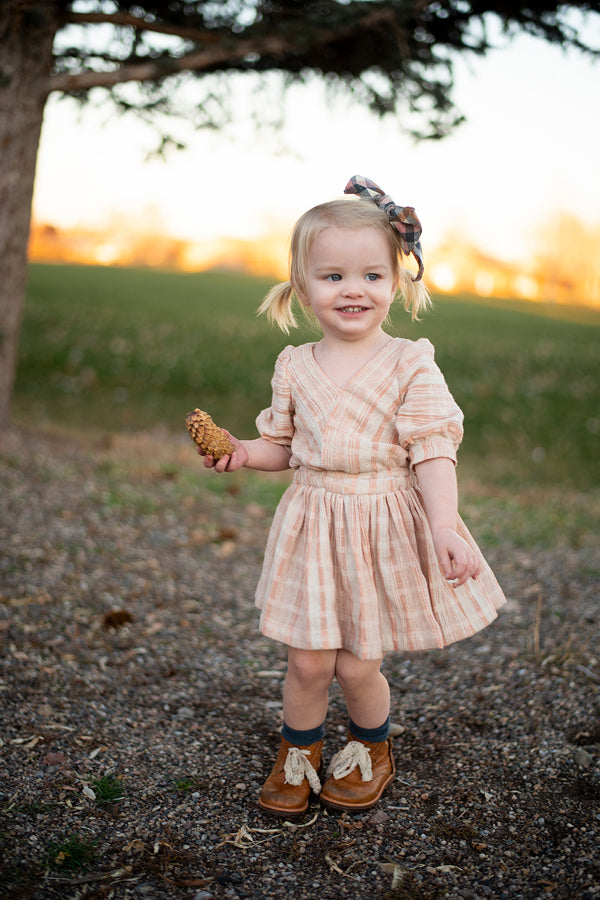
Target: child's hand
457,559
237,460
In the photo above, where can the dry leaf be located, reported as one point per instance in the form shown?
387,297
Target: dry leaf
29,742
444,869
243,837
333,865
95,752
136,845
397,872
158,845
118,873
88,792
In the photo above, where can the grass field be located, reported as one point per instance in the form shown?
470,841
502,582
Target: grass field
123,349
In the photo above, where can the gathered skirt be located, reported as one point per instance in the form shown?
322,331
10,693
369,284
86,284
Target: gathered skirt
350,564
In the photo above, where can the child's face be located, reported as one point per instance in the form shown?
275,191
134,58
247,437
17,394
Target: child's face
349,282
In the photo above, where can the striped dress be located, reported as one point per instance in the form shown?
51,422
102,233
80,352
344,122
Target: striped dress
350,561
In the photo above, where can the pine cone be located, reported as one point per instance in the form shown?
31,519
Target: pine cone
211,439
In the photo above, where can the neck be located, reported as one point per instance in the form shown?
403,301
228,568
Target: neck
340,360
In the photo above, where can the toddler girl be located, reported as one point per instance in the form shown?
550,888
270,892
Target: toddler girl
367,553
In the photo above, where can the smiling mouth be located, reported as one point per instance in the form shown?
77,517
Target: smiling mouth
352,309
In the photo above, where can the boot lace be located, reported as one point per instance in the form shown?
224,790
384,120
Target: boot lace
298,766
348,758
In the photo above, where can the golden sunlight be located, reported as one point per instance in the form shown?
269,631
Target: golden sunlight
551,275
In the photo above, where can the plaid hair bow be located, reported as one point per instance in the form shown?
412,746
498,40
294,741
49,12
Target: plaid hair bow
402,218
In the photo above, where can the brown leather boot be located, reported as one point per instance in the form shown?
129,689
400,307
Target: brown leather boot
358,775
294,775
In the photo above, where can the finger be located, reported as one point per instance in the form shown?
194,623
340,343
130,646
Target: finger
473,567
470,569
460,570
221,465
445,561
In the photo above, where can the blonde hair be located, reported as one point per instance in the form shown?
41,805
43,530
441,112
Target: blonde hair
344,213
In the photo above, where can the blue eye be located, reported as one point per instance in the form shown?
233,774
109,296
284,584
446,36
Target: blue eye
372,276
334,277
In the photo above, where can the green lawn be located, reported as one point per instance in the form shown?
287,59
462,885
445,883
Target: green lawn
124,349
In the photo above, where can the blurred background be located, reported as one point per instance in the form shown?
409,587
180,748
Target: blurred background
146,269
510,202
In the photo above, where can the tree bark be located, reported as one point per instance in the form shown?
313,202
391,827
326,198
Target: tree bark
27,29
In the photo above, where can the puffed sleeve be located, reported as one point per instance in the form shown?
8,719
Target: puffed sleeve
429,421
276,424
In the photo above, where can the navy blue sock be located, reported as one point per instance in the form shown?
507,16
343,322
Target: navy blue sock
373,735
303,738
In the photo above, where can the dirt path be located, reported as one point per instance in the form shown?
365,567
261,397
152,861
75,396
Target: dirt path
132,662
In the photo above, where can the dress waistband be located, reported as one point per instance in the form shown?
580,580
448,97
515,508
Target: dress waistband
360,483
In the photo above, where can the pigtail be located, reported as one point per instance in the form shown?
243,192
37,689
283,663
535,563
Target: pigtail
414,293
278,306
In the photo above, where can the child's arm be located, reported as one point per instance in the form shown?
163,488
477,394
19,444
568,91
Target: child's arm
437,483
258,454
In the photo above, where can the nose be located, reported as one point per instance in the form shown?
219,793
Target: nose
353,288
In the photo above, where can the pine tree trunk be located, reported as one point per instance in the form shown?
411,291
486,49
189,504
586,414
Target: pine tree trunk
27,29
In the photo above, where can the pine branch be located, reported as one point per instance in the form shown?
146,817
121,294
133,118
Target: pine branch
121,20
208,59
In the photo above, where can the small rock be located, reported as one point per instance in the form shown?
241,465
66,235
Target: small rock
378,817
583,759
55,759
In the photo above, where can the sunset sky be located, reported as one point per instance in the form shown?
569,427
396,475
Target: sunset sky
530,148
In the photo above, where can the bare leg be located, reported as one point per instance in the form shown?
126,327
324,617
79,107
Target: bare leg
306,687
365,688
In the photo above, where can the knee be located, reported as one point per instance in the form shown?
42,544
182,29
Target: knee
354,674
311,668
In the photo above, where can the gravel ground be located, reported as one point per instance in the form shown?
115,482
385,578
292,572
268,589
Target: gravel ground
132,662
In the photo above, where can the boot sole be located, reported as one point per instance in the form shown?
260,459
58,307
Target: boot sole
283,813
